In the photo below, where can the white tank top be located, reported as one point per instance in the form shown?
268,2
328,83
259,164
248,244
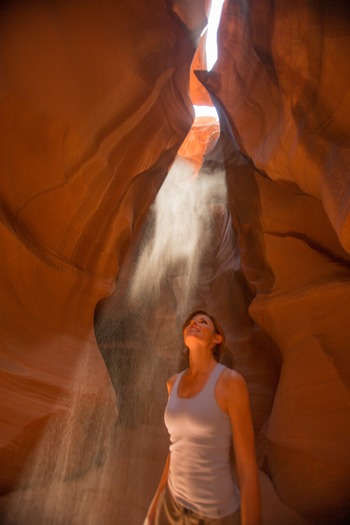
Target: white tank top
200,472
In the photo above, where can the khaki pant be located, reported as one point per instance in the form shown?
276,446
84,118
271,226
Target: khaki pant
169,512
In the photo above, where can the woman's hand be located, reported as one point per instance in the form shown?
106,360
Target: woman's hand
151,516
152,511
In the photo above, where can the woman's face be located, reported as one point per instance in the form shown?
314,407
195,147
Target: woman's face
200,328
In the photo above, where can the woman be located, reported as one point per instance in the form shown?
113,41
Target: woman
207,413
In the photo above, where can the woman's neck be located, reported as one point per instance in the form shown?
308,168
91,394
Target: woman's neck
201,362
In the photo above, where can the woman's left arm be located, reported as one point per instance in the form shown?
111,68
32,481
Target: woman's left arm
238,408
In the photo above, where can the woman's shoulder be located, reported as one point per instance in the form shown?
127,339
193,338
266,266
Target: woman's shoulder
231,390
232,380
171,382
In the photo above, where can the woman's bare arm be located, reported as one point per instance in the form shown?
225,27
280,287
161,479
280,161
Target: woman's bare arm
163,481
164,478
238,409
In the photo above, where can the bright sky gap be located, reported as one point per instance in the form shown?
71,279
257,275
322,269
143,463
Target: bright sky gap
211,50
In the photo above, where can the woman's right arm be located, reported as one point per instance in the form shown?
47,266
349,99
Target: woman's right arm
164,479
151,516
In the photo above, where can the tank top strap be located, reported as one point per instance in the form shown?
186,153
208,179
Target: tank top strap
214,376
177,381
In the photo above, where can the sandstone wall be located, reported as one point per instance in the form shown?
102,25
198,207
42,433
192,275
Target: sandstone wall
282,86
94,106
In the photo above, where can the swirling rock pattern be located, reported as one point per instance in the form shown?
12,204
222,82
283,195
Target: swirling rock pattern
94,107
282,83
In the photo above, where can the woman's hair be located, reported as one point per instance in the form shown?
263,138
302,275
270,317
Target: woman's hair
218,348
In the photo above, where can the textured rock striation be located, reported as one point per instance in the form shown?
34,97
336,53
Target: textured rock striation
282,86
94,107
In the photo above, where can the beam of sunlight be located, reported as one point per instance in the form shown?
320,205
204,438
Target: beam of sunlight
183,217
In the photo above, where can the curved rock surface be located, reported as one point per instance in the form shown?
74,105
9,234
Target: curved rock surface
95,106
282,83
